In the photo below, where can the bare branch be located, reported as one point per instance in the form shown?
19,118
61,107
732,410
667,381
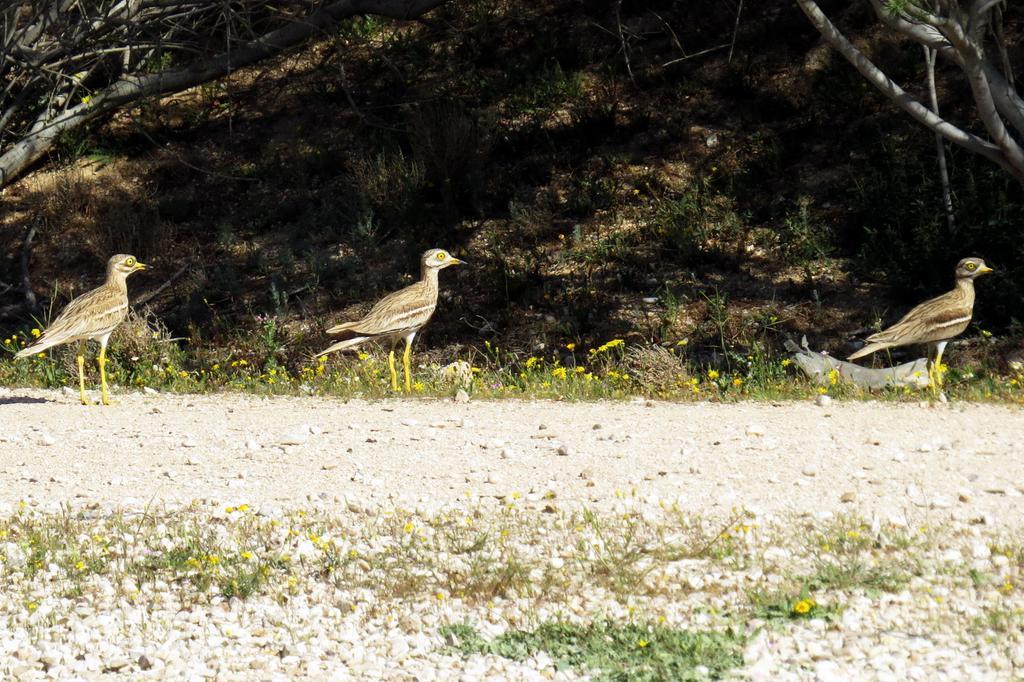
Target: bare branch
898,95
66,62
948,34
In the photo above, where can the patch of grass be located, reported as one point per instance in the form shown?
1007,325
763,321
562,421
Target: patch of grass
610,651
848,555
856,574
276,360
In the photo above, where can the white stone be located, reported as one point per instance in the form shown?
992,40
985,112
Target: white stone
756,430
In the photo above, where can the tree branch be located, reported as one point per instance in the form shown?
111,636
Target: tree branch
894,92
47,126
1002,153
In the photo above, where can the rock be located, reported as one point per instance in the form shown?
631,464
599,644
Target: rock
915,495
828,671
461,396
756,430
563,451
823,400
952,555
297,438
47,440
848,497
942,502
980,550
809,470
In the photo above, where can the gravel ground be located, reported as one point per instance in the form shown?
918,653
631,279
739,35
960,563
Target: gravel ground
932,486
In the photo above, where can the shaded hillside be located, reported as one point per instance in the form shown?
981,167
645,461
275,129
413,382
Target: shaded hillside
650,175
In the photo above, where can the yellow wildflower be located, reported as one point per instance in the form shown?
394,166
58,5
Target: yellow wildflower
712,374
642,643
737,382
803,606
570,346
36,333
558,372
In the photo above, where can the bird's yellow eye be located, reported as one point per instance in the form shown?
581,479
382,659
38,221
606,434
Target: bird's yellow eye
971,266
440,256
129,261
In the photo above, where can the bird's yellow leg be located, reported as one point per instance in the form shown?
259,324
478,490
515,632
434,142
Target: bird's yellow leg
81,377
394,372
103,374
408,370
938,363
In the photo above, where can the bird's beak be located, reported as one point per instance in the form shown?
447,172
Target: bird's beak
985,270
456,261
139,266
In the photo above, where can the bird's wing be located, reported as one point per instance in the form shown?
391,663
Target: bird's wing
91,315
404,310
942,317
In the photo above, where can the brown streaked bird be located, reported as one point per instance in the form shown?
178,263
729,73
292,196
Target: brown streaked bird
92,316
399,315
935,321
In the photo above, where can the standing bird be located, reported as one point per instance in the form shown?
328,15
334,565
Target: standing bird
398,315
935,321
92,316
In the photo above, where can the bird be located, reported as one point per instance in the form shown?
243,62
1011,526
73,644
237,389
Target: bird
92,316
935,321
399,315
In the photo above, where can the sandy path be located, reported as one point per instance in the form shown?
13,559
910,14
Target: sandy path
963,461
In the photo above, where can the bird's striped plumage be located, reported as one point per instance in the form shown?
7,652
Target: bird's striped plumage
92,316
938,319
935,321
399,315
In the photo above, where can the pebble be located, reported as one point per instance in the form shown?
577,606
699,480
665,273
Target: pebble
295,438
756,430
823,400
461,396
809,470
563,451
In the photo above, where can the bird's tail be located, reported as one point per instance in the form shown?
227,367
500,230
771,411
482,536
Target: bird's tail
869,349
343,345
37,347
